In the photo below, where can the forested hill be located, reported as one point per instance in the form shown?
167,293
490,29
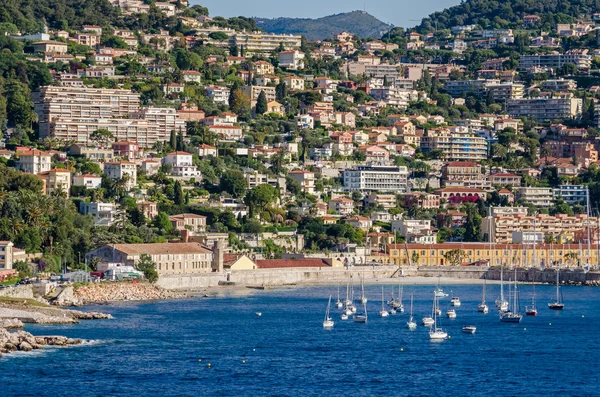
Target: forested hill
509,13
30,15
357,22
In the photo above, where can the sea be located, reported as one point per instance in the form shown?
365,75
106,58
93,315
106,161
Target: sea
219,346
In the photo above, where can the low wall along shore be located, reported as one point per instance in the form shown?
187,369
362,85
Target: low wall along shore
327,275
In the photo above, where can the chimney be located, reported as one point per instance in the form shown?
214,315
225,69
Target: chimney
218,250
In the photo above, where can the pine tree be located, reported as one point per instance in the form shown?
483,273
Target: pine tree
261,103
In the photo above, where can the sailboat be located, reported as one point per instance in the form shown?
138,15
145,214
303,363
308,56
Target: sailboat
428,321
501,303
399,306
363,297
347,304
531,310
383,312
328,322
436,333
361,317
411,324
455,301
512,315
339,303
439,292
558,304
483,307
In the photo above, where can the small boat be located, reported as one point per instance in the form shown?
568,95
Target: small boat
451,313
436,333
531,310
258,314
427,321
362,317
455,301
328,322
439,292
558,303
482,307
344,316
392,311
383,312
353,309
501,303
469,329
411,324
438,311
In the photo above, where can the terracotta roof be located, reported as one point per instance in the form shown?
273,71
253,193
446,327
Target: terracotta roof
161,248
183,216
286,263
183,153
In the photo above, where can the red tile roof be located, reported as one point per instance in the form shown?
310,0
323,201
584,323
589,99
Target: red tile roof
286,263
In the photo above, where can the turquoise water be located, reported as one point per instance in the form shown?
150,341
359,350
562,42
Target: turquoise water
153,348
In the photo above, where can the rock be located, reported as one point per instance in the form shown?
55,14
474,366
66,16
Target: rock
11,323
9,347
26,347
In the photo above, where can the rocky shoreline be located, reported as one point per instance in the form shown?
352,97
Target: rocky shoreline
120,291
24,341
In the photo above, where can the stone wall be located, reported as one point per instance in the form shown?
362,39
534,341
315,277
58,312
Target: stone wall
21,291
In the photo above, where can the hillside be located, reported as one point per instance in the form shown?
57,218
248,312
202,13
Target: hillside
508,13
357,22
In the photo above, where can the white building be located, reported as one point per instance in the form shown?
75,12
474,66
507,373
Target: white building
122,169
218,94
293,59
88,181
105,214
34,161
182,164
376,178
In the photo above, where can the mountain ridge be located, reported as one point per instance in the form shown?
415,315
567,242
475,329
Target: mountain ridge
360,23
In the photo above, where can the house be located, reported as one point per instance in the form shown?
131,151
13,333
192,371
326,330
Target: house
190,112
148,208
182,164
359,222
150,166
88,181
128,150
105,214
170,258
385,201
6,255
205,150
192,76
235,262
306,179
263,67
504,179
34,161
305,121
275,107
294,83
122,170
227,132
341,205
420,200
293,60
375,154
91,152
57,180
193,222
55,47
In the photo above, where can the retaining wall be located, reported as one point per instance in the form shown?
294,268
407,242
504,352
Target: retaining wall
21,291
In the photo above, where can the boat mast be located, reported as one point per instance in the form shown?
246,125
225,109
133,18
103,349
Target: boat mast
535,263
587,206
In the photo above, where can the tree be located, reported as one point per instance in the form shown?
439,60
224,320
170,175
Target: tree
234,183
173,140
454,256
261,103
162,222
147,266
102,137
22,267
178,197
260,197
240,103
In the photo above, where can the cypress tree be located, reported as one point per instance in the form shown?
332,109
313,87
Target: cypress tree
261,103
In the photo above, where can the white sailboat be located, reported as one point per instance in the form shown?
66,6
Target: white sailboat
383,312
483,307
501,303
348,305
363,297
512,315
361,317
411,324
531,310
558,303
436,333
328,322
399,306
428,320
439,292
339,303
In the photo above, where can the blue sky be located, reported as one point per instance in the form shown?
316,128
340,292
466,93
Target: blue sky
405,13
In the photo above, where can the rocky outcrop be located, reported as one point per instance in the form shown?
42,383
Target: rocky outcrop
120,291
67,298
11,323
24,341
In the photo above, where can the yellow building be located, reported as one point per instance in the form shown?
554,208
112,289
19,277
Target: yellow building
238,262
456,254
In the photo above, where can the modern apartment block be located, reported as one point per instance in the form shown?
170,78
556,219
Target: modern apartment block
538,196
377,178
580,58
545,109
264,42
571,193
74,113
456,147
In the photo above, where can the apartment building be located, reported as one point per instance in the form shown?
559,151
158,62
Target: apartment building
91,152
306,179
253,91
293,60
505,179
421,200
264,43
88,181
195,223
122,169
538,196
386,201
34,161
456,146
182,164
6,255
560,226
559,85
218,94
545,109
255,178
462,170
342,206
571,194
105,214
376,178
580,58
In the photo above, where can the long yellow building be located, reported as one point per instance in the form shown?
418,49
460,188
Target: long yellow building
520,255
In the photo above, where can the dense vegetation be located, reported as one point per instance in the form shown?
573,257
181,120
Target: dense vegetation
357,22
509,13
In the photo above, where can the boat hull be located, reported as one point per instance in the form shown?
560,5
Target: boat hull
556,306
511,319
